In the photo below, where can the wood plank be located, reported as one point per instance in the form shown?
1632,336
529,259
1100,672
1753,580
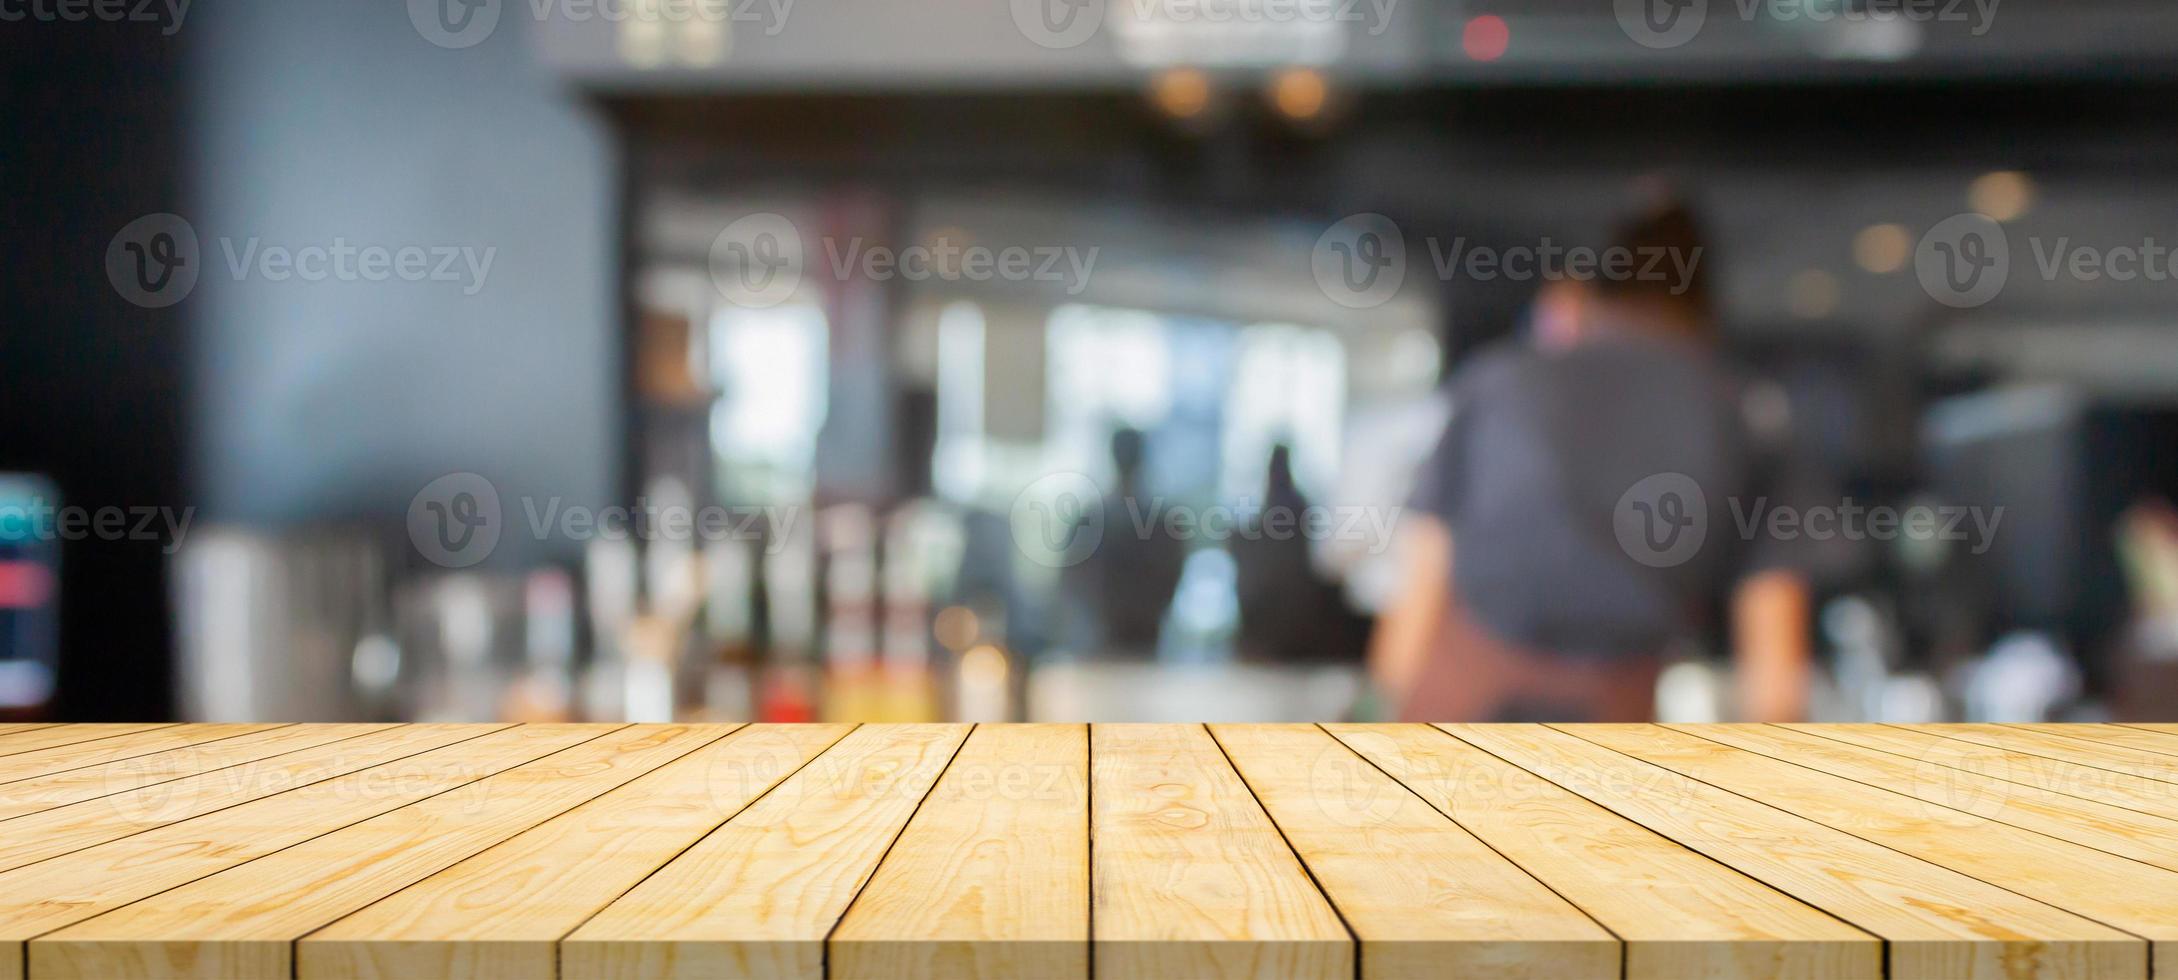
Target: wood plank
51,833
1190,878
106,751
758,896
242,923
55,736
52,894
2143,738
90,782
1423,896
991,877
500,915
2101,755
22,726
1924,746
1681,915
2115,891
1939,924
2126,833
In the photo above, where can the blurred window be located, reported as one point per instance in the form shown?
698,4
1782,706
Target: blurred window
1289,385
770,367
960,473
1107,368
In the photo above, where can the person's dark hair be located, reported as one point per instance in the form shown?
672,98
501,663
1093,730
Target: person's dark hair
1127,452
1678,289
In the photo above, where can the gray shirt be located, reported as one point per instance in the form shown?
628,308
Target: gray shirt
1590,491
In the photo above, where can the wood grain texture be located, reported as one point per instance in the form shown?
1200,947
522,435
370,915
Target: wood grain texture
1939,924
501,914
106,751
1925,747
2126,833
1681,915
51,894
758,896
991,877
2161,741
2064,748
54,736
93,781
1649,852
242,923
57,831
2112,890
1423,896
1190,877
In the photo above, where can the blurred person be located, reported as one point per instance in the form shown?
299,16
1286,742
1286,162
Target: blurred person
1123,588
1287,611
1520,601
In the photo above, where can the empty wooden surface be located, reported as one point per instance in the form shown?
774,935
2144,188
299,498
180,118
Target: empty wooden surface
1112,851
242,923
1680,914
37,739
991,878
501,914
759,895
1191,877
114,777
1423,896
107,751
2115,891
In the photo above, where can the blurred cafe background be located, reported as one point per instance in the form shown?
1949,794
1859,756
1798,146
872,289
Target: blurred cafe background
1065,360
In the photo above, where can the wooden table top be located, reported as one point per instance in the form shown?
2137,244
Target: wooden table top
1049,851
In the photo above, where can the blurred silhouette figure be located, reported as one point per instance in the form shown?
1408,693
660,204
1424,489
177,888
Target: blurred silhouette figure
1287,611
1545,572
1127,583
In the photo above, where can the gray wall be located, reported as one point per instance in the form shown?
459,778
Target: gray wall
315,120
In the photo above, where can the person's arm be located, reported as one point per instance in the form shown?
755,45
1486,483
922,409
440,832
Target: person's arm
1771,650
1408,627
